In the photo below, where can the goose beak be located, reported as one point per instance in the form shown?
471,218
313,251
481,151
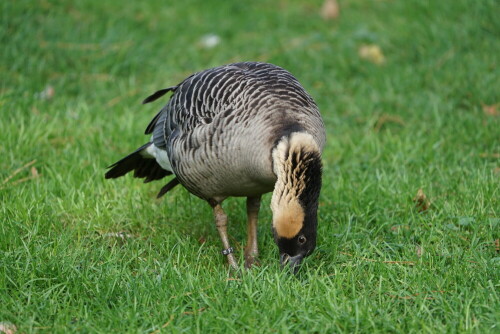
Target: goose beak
292,261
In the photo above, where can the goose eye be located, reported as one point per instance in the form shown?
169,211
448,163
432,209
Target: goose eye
302,240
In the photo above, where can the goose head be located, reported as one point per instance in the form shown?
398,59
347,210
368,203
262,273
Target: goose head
294,203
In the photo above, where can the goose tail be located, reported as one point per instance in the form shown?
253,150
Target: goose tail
141,162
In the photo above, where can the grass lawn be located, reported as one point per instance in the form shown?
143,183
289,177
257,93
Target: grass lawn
409,91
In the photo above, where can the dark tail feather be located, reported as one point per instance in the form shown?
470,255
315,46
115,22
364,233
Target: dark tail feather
142,166
158,94
166,188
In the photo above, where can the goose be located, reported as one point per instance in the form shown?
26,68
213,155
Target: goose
240,130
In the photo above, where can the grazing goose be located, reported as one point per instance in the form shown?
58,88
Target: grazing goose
241,129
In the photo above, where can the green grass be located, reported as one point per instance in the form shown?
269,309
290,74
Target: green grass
417,121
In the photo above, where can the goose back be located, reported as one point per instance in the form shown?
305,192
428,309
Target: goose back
220,126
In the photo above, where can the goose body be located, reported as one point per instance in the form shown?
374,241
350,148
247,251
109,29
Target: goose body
229,131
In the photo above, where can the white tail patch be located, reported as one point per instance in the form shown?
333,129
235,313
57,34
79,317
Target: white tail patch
160,155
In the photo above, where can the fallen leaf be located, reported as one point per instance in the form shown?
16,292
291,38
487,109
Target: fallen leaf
417,294
34,172
194,312
489,155
421,201
419,250
466,221
120,235
210,41
400,227
17,171
233,279
164,325
330,10
410,263
383,119
7,328
495,261
47,93
372,53
118,99
452,227
491,110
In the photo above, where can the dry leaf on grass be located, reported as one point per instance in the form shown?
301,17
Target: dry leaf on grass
114,101
419,250
414,295
120,235
397,228
330,10
410,263
490,155
421,201
194,312
491,110
34,175
385,118
209,41
7,328
34,172
164,325
47,93
372,53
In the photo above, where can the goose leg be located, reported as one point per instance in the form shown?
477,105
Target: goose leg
251,249
221,224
